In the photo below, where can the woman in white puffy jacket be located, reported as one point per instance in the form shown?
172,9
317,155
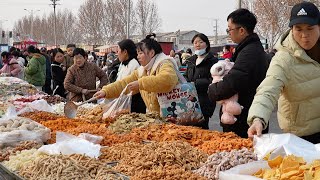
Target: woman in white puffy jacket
127,55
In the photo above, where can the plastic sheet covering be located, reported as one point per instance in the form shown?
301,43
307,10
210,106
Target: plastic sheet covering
68,144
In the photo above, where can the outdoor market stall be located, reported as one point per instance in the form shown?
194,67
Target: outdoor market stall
38,142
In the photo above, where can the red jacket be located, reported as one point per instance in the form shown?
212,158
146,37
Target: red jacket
227,55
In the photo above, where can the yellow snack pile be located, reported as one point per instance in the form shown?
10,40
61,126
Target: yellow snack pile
290,168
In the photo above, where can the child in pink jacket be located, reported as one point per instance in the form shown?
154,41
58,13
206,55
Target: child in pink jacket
11,66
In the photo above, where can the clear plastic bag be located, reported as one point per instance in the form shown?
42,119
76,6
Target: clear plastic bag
68,144
38,105
120,105
244,171
284,144
14,130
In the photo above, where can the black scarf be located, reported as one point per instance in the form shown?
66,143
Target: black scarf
249,39
126,62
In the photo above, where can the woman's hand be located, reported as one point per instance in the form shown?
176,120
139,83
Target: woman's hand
133,86
255,128
100,94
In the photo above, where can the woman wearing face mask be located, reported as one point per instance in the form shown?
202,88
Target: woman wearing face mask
81,77
198,71
127,54
293,79
157,74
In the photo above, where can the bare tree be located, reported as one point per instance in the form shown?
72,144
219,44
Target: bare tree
273,17
147,17
115,20
90,21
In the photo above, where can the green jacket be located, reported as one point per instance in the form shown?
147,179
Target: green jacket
35,72
293,79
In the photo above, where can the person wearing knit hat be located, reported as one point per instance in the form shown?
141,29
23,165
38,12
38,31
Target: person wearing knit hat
292,79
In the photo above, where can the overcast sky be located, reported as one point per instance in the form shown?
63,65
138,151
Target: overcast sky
175,14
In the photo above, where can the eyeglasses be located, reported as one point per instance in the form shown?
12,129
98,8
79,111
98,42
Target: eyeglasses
228,30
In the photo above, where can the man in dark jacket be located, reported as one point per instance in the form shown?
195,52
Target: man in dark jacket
248,71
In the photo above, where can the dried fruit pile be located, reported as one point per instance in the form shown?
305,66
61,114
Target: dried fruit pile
207,141
134,158
125,123
67,167
223,161
10,151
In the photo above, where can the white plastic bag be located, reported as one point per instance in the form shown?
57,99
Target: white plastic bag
38,105
91,138
244,171
284,144
120,105
14,130
68,144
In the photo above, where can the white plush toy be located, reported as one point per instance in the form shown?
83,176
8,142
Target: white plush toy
230,107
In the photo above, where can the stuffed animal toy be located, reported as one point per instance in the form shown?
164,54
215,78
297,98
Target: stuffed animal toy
230,107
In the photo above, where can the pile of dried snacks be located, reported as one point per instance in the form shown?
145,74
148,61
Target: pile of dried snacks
127,122
22,158
67,167
53,99
68,125
223,161
20,123
9,151
167,173
58,108
225,144
152,156
90,115
114,115
40,116
118,151
109,138
207,141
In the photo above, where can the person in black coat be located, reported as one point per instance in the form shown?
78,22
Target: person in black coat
58,72
198,71
248,71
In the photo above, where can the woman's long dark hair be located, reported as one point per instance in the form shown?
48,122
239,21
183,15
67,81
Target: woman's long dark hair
130,47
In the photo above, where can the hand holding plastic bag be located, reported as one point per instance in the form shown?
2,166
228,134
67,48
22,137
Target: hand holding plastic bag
120,105
68,144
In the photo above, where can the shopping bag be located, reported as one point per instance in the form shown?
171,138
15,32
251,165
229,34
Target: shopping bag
181,105
120,105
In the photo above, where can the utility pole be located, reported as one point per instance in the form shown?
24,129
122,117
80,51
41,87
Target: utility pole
216,31
54,4
128,20
239,4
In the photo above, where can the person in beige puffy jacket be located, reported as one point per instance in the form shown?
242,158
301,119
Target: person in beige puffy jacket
293,79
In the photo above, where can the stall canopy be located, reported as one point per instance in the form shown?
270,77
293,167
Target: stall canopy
25,43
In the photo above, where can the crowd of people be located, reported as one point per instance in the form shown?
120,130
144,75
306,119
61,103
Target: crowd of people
290,80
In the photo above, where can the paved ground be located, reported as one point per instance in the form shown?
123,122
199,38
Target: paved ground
214,122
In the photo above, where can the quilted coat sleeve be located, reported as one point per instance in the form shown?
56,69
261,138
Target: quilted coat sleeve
113,90
270,88
69,83
32,67
164,80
